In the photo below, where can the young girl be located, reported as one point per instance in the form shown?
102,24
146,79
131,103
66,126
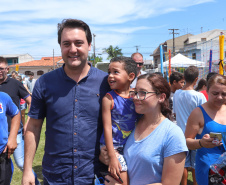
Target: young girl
118,114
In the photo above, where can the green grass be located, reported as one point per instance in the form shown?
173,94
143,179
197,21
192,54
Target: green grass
37,164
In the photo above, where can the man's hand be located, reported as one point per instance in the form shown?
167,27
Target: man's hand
103,157
28,178
11,146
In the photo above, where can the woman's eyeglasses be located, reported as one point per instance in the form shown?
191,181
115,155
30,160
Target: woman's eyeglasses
141,95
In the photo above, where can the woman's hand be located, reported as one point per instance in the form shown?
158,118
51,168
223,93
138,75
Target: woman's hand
206,142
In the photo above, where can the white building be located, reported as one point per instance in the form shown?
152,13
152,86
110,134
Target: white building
38,67
17,58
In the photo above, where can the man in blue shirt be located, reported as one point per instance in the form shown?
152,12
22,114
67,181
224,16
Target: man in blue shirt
70,99
7,143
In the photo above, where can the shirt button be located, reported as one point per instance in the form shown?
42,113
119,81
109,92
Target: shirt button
75,133
76,100
75,116
76,167
75,150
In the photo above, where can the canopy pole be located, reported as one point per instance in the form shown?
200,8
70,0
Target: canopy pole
161,60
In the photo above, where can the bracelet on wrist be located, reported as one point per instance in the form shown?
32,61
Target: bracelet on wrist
200,143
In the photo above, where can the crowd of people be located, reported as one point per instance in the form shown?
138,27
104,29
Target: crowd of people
127,126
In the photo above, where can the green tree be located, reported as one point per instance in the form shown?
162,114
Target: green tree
113,52
97,59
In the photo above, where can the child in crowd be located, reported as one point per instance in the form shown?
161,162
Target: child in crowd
118,112
201,85
176,82
185,100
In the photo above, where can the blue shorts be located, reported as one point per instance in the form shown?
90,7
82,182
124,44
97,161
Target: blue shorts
190,159
23,106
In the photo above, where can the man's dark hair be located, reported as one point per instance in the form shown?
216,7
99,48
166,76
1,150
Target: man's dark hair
31,74
210,75
130,65
177,76
190,74
74,23
136,54
3,60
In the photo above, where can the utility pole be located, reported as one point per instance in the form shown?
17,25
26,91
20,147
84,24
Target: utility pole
137,48
173,32
94,48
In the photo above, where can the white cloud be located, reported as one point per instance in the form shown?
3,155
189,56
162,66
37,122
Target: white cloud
31,26
95,12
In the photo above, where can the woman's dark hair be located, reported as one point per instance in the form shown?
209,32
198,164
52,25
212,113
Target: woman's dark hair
160,85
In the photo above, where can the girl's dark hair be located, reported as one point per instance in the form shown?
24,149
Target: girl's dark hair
201,83
160,85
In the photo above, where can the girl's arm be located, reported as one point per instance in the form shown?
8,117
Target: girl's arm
114,165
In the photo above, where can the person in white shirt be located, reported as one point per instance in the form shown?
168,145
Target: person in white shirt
30,82
185,100
138,58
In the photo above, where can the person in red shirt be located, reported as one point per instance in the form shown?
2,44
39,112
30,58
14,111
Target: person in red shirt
207,78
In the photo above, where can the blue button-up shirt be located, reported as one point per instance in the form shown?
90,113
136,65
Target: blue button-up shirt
73,124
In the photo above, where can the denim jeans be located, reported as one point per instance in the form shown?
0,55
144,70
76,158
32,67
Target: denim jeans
19,154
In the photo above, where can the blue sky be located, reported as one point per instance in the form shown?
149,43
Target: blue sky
31,26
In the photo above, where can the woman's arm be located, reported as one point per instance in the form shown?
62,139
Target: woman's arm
194,126
172,169
114,165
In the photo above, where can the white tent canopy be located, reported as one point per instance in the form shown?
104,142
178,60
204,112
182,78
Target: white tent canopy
182,61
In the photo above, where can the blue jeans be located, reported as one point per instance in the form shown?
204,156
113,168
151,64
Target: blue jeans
19,154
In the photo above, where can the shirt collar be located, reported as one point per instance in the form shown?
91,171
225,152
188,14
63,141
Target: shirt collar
68,78
7,79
